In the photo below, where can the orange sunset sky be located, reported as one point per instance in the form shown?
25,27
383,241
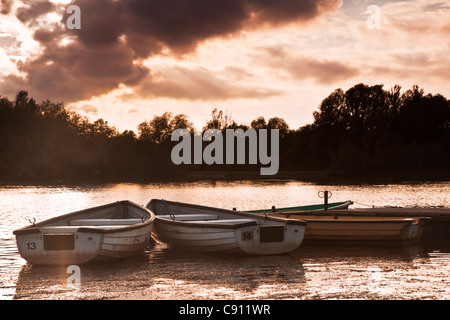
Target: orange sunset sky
133,59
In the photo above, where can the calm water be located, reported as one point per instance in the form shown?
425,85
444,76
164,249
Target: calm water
160,273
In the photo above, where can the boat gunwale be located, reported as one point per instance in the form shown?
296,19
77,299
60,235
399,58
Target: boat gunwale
354,219
35,228
239,213
209,225
298,209
371,220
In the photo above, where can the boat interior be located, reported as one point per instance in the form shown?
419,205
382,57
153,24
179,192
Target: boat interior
175,211
106,217
271,229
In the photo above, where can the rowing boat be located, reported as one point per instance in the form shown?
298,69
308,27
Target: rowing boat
323,227
306,208
208,229
112,231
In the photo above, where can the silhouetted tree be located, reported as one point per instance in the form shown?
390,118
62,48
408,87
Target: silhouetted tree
258,123
180,121
280,124
219,120
160,128
365,129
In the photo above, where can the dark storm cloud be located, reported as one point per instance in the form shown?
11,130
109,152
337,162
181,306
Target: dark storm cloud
283,11
34,9
76,72
5,6
182,24
101,22
116,35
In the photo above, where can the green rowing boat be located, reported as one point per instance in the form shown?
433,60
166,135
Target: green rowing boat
304,209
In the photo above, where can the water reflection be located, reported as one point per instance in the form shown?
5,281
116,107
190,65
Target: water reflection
163,273
160,273
158,268
240,270
405,252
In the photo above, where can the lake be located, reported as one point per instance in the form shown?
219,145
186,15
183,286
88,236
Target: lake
310,272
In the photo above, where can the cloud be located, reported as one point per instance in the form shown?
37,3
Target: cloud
5,6
198,84
418,67
302,68
286,11
116,36
182,24
87,108
435,6
320,71
76,72
6,40
411,45
34,9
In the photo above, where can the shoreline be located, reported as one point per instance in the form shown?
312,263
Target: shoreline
321,177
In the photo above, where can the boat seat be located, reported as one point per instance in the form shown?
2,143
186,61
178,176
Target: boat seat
103,222
230,221
73,229
189,217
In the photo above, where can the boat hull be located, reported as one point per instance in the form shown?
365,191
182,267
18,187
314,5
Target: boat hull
58,241
357,230
32,248
197,238
125,244
251,234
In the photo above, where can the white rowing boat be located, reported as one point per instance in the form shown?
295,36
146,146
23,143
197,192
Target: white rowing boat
201,228
111,231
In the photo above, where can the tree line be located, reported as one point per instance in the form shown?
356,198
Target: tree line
362,130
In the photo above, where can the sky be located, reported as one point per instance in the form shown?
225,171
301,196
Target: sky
134,59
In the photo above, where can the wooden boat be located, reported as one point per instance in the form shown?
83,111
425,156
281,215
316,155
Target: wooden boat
307,208
201,228
107,232
347,229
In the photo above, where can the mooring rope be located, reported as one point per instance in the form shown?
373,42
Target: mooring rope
166,208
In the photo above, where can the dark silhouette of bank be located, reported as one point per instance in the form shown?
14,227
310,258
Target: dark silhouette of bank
365,130
368,129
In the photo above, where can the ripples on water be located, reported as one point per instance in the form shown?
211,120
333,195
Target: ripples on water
160,273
